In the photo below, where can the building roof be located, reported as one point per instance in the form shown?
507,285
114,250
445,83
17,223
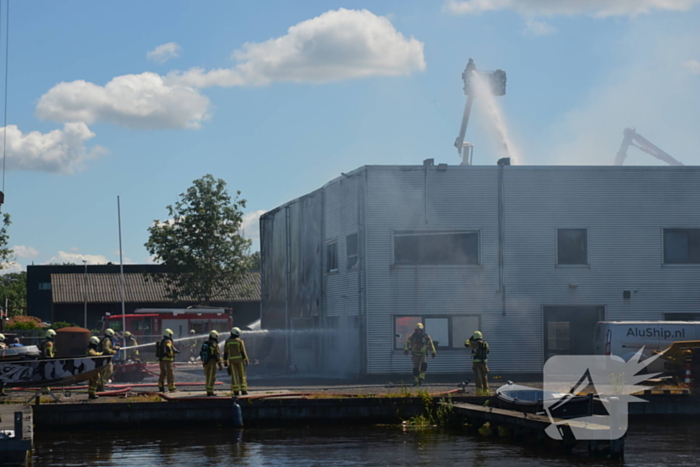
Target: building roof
106,288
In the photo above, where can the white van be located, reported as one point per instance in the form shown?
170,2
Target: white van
625,338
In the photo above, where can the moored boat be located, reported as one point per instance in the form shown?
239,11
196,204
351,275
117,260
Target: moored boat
49,372
536,401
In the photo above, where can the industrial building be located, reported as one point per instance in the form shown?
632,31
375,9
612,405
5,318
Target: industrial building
533,256
76,293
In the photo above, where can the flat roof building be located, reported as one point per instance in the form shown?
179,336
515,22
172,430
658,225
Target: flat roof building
533,256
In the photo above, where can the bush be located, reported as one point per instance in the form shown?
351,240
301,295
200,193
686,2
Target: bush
22,326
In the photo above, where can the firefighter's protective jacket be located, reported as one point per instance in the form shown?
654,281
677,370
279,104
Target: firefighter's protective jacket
133,353
167,349
92,351
234,350
480,350
48,348
107,346
419,344
214,352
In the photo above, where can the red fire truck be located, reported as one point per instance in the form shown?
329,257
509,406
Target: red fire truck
153,321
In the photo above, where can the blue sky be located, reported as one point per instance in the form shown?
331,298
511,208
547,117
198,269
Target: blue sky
138,99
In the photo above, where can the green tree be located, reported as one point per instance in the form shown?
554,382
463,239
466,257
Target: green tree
13,293
200,243
255,261
6,253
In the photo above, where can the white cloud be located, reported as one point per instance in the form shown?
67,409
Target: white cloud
337,45
10,267
58,151
693,66
127,260
599,8
133,101
534,27
22,251
164,52
77,258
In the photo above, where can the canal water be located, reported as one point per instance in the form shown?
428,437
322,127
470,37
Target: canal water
648,444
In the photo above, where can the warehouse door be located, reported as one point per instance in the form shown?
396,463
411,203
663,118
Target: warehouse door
568,330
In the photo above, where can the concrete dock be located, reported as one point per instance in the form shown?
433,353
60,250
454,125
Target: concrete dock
16,434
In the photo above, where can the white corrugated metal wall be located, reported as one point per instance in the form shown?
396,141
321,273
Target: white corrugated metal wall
341,298
456,200
624,210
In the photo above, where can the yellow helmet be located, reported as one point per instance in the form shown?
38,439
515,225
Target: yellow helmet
420,326
168,333
236,332
2,337
94,340
214,335
193,332
477,335
50,333
109,332
127,334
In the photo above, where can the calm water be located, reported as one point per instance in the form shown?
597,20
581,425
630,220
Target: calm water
647,445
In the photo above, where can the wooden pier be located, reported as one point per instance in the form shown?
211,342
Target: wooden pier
15,434
521,425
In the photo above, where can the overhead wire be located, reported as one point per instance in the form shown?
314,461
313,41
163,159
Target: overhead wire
7,62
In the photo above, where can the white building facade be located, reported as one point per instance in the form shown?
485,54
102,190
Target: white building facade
532,256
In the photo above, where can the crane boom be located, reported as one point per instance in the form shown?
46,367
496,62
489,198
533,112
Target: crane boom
496,81
631,137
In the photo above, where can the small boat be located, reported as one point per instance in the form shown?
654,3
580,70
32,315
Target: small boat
534,400
19,353
31,372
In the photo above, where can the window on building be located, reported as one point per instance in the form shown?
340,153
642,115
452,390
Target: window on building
445,331
351,248
142,325
436,248
572,246
462,327
115,325
681,246
44,285
332,257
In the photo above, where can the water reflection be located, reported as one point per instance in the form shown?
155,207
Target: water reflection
647,445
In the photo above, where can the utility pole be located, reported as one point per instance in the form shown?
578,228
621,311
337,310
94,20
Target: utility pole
85,295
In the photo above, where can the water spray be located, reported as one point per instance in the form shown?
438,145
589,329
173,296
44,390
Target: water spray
486,85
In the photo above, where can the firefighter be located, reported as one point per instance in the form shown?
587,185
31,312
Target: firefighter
236,358
106,347
211,359
480,352
48,346
419,344
95,380
131,354
165,353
